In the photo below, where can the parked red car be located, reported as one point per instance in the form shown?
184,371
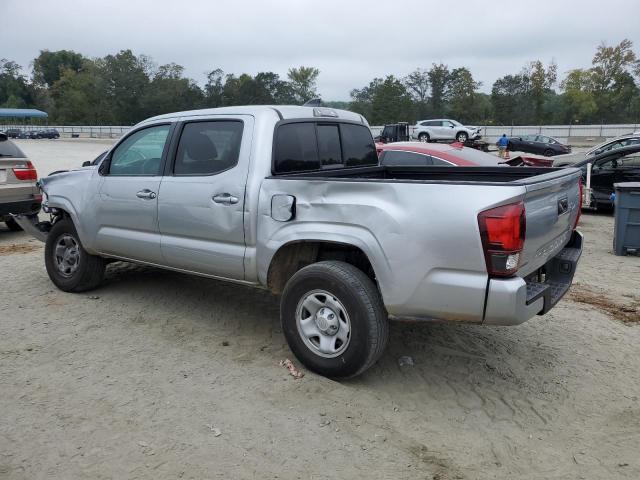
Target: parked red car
453,154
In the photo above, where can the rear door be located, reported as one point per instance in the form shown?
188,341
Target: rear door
201,200
127,203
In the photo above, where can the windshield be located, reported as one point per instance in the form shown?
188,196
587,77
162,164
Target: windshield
475,156
456,123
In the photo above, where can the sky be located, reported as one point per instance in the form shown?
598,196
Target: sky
350,41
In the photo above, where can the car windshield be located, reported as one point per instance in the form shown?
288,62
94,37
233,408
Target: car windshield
455,123
475,156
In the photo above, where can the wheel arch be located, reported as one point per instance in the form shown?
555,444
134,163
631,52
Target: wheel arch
296,254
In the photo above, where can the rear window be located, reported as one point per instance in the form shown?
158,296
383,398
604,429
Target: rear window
296,148
476,156
406,159
10,149
306,146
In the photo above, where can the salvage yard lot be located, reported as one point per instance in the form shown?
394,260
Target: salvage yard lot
162,375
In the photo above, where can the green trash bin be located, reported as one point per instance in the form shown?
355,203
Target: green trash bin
626,233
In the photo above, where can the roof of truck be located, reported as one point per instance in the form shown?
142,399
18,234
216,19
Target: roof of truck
284,111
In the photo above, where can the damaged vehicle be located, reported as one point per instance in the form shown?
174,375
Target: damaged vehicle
18,191
293,200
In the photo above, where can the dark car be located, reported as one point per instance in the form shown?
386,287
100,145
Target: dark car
32,134
621,165
540,144
49,133
13,132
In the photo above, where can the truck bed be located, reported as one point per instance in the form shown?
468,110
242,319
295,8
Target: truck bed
436,174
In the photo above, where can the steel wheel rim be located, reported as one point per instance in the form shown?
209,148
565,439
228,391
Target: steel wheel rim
323,323
66,255
462,138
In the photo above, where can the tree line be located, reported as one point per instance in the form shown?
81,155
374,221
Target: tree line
124,88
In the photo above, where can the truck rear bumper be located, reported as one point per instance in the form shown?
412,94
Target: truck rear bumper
512,301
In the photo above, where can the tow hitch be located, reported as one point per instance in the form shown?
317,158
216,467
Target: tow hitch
31,224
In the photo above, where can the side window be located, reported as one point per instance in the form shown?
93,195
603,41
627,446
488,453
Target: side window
440,163
425,124
140,153
407,159
296,148
631,160
207,148
357,146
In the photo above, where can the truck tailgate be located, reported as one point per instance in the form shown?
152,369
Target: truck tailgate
552,205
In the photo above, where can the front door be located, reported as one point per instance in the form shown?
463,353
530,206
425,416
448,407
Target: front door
603,175
127,203
201,201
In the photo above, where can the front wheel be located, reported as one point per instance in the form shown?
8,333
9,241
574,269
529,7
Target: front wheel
68,264
462,137
548,152
333,319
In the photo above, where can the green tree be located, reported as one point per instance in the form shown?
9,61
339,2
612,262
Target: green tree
439,78
541,81
462,95
170,91
303,83
15,92
48,66
417,84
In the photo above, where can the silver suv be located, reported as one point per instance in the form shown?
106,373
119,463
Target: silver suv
18,191
618,142
444,129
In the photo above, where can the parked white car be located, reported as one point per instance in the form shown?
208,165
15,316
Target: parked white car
444,129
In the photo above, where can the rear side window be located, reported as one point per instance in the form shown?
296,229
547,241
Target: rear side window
9,149
296,149
207,148
357,146
306,146
406,159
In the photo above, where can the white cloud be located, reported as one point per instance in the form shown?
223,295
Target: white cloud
351,41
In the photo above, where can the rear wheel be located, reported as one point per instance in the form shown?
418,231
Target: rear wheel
12,225
333,319
424,137
548,152
462,137
68,264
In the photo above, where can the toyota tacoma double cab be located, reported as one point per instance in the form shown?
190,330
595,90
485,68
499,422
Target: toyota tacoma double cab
293,200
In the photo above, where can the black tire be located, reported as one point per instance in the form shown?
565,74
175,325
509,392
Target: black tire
424,137
90,269
369,327
12,225
548,153
462,137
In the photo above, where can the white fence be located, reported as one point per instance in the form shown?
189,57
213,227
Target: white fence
575,134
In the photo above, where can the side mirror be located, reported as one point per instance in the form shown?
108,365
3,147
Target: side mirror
86,163
614,163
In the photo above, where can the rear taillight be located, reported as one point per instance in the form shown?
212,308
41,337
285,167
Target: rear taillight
502,230
575,225
26,172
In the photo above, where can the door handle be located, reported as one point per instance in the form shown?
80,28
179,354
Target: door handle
225,198
146,193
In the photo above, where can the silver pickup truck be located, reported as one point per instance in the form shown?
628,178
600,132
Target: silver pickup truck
292,199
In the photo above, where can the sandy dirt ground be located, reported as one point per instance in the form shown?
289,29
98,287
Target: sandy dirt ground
161,375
